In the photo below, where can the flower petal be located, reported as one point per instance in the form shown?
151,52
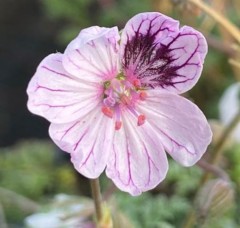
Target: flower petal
159,54
181,126
88,140
137,162
93,55
56,95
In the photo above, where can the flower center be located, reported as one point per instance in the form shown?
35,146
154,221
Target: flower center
121,94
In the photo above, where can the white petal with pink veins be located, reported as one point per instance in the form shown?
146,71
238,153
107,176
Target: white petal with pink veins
57,95
161,55
137,162
181,126
88,140
93,55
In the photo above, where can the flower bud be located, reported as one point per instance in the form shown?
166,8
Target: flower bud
215,198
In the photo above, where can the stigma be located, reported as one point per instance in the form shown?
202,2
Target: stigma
120,95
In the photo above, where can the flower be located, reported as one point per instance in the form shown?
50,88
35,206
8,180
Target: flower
113,101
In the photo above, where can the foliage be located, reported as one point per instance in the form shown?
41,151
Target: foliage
147,211
78,14
38,174
28,168
172,203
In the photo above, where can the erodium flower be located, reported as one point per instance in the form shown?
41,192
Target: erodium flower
113,101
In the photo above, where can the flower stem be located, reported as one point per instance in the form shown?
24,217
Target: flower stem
218,172
226,24
97,198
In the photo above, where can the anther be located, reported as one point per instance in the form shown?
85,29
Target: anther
142,95
107,111
141,120
118,125
136,83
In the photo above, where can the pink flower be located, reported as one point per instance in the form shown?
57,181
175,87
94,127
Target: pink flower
113,101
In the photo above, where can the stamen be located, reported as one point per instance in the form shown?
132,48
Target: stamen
120,94
143,95
118,125
141,120
107,111
136,83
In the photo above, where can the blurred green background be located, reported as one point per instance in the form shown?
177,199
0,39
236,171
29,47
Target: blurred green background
32,170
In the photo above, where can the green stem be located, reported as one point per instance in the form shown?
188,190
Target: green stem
218,172
97,198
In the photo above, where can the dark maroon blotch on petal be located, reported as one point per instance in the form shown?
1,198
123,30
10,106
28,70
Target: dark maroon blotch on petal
153,62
